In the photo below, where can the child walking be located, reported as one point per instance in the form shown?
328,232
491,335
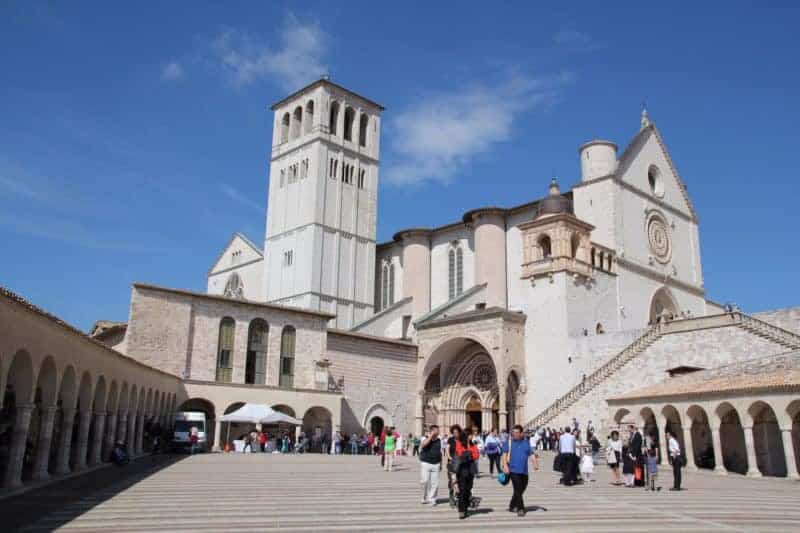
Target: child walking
652,470
587,468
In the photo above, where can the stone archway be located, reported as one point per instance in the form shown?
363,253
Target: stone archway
767,440
732,441
662,305
317,425
376,416
702,441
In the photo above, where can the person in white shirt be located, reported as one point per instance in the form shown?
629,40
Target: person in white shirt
676,458
569,466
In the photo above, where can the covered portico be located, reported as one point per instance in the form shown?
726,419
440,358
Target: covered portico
472,368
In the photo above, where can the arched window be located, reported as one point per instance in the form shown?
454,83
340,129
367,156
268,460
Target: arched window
576,242
598,329
544,244
309,116
287,357
285,128
455,271
255,369
334,118
234,288
297,122
349,119
363,123
391,284
227,327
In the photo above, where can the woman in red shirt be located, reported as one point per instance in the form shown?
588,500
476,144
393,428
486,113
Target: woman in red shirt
466,455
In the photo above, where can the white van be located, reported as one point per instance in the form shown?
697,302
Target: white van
184,422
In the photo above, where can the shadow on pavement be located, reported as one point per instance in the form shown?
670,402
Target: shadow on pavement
26,509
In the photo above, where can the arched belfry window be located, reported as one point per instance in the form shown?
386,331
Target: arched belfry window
285,128
349,119
334,118
363,124
287,357
309,121
234,288
227,327
544,244
455,271
255,370
297,122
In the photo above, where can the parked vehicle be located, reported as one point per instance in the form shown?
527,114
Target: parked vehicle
181,434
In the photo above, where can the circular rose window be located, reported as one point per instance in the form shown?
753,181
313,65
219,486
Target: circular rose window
658,236
484,377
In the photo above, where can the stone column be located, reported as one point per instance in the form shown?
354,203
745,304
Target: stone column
139,433
111,433
79,459
719,461
42,459
662,442
65,443
502,409
689,449
752,464
96,453
16,452
122,426
792,461
486,419
217,435
131,436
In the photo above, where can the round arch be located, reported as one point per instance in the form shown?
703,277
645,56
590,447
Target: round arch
317,425
122,404
731,437
662,305
620,415
47,383
285,409
767,439
674,424
793,410
85,391
377,410
67,391
19,380
702,441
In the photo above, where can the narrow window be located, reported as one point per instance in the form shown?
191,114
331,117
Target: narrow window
593,257
384,286
361,176
451,274
297,122
255,371
544,244
391,284
225,350
285,128
283,176
334,118
459,271
363,123
349,118
309,116
287,357
576,241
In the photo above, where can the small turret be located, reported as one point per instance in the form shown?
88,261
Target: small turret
598,159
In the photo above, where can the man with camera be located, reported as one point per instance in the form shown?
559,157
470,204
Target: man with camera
430,464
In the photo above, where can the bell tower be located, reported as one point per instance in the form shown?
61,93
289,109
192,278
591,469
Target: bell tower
322,206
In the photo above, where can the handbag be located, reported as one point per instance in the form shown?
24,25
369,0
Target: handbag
611,457
502,477
637,472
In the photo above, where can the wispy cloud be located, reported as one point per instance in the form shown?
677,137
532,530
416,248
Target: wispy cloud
571,36
236,196
172,72
297,60
436,138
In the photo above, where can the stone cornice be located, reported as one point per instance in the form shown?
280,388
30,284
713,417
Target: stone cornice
475,316
668,280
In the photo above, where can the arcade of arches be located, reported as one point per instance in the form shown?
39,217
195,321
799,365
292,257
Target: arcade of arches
743,435
462,387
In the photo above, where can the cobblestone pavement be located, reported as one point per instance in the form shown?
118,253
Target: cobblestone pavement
216,492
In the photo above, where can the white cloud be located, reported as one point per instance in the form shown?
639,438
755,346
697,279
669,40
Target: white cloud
571,36
236,196
436,138
172,71
297,61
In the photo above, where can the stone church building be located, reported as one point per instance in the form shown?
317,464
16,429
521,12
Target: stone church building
585,302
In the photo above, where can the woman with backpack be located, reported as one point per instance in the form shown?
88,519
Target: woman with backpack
493,449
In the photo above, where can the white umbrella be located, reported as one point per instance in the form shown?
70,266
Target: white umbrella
256,413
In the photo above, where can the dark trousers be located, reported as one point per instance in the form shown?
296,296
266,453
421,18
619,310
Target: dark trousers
676,473
569,468
519,482
465,479
494,461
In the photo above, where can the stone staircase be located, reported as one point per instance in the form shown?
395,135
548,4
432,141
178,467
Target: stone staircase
755,326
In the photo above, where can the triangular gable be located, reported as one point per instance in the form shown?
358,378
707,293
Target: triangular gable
629,160
250,252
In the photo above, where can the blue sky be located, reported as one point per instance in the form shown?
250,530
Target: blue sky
134,138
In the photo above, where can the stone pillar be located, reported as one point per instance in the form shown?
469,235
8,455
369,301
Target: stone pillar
663,443
752,464
65,443
131,436
792,461
96,453
79,459
16,452
139,433
689,449
719,461
42,459
217,436
122,426
502,409
486,419
111,433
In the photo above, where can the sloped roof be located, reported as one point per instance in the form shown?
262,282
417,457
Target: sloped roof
247,241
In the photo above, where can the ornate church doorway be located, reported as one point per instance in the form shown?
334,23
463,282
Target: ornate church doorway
376,425
474,414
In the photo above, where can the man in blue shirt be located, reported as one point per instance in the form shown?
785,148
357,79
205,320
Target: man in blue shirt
515,464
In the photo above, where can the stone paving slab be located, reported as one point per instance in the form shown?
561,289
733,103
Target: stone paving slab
256,492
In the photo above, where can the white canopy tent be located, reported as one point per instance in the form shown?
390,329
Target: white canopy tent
257,413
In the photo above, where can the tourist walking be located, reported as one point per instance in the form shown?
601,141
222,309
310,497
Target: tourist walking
567,449
516,454
466,453
389,446
430,464
614,456
494,449
416,443
676,459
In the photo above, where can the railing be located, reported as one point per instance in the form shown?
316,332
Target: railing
783,336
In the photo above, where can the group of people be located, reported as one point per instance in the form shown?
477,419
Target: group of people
258,441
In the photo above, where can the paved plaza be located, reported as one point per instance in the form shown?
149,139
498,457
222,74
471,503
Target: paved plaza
216,492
